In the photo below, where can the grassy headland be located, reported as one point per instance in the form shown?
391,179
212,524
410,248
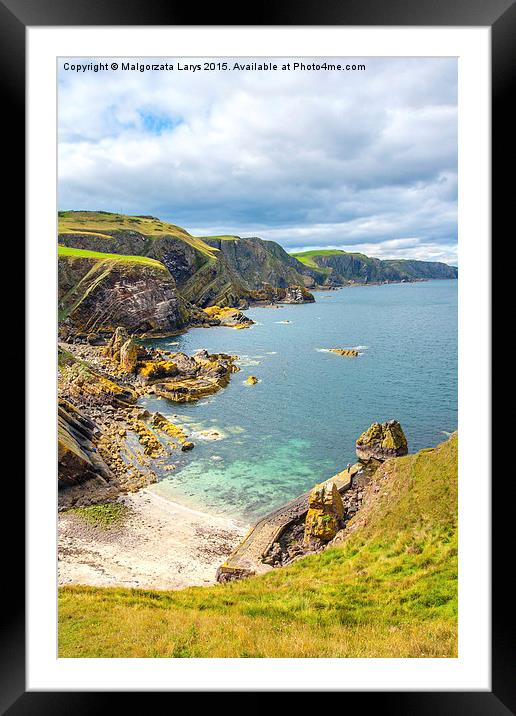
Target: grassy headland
389,590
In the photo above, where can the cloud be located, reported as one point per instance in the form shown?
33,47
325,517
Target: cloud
309,159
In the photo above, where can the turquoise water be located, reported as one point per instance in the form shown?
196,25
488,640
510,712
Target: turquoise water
298,426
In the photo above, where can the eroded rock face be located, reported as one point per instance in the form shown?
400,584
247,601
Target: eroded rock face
78,459
96,296
325,513
382,441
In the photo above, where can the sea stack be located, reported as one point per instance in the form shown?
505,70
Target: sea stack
382,441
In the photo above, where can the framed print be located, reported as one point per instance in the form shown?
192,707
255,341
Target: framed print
259,292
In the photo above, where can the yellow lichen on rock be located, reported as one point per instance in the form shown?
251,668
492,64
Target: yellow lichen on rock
348,352
158,369
382,441
174,431
325,513
226,316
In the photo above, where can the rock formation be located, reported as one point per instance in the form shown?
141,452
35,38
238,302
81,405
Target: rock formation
251,380
348,352
129,356
325,513
78,459
225,316
382,441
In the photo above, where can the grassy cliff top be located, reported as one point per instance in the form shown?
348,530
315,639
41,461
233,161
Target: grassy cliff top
103,224
389,590
116,258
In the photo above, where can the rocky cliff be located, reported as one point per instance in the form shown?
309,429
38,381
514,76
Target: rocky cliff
98,292
333,267
151,276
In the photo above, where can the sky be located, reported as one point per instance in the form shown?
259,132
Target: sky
362,161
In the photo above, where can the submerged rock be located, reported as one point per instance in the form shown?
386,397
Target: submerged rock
382,441
325,513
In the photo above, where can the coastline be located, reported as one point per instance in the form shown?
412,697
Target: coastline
159,544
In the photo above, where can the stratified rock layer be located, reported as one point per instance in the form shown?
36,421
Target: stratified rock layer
78,459
382,441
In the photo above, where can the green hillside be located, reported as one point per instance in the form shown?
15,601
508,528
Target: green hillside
99,256
343,267
389,590
103,224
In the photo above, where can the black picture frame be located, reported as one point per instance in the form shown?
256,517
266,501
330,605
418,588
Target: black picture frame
500,16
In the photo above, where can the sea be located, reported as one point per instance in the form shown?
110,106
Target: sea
258,446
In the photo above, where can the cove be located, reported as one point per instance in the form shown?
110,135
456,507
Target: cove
298,425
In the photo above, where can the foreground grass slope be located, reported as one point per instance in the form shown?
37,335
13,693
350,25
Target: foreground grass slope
104,224
389,590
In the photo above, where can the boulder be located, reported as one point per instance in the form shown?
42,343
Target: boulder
325,513
382,441
129,356
251,380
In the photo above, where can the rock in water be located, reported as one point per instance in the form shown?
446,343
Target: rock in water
382,441
325,513
129,356
251,380
348,352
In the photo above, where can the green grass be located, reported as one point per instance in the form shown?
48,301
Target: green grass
99,256
222,238
103,516
390,590
102,223
308,258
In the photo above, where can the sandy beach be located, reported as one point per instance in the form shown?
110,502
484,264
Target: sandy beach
159,545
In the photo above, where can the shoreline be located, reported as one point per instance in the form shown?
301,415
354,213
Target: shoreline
159,544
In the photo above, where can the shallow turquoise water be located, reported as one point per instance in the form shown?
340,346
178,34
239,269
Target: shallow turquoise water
298,426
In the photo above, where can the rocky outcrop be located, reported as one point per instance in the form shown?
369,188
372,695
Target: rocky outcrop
78,457
296,294
289,294
115,343
325,513
129,356
251,380
98,294
382,441
225,316
205,374
348,352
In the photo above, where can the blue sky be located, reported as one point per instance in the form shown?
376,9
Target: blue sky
363,161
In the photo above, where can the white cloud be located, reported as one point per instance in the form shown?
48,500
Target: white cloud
307,159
